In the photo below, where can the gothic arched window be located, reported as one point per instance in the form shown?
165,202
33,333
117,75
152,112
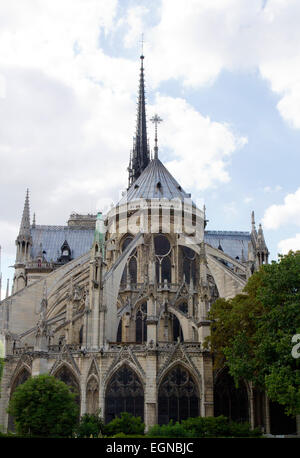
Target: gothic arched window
141,324
163,258
178,396
229,400
124,393
189,264
162,245
132,267
130,270
65,375
21,378
166,269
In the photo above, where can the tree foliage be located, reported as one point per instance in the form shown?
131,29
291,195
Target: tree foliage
90,425
45,407
252,333
203,427
126,423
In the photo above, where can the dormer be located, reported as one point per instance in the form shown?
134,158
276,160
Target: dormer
65,253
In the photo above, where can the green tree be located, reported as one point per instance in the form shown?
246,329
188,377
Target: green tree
44,406
252,333
90,425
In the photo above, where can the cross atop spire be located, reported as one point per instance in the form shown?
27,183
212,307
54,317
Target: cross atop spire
156,120
140,157
142,44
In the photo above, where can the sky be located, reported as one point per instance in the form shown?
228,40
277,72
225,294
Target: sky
224,75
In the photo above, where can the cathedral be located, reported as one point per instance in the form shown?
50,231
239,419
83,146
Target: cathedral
116,305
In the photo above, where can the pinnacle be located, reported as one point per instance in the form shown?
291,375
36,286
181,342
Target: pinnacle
25,222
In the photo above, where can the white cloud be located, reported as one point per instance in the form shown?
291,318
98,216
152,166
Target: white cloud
196,40
201,149
134,19
286,213
247,200
67,113
62,99
293,243
269,189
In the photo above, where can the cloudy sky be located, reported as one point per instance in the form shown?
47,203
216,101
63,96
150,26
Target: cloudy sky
223,74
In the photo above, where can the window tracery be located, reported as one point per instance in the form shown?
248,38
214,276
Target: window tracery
66,376
130,270
189,264
124,393
163,258
229,400
178,396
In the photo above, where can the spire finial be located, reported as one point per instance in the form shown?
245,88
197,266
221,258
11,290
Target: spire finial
156,120
33,221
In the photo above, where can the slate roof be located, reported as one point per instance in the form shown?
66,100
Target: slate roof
232,242
80,240
155,182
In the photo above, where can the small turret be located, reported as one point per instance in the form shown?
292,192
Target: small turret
257,249
24,245
262,252
24,239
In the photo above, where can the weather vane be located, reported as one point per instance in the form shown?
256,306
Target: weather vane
156,120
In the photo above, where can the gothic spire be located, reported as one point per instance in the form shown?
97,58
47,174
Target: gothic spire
140,154
253,229
261,244
25,222
24,239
